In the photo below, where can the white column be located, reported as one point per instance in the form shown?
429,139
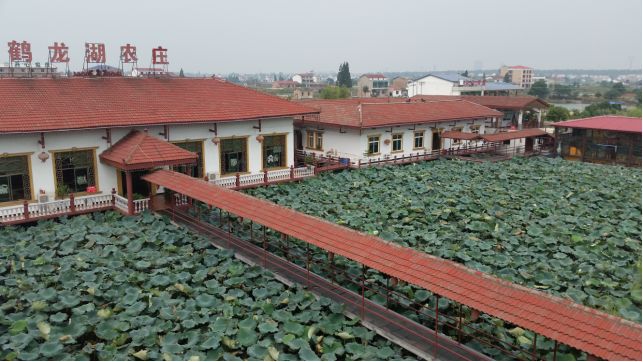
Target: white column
540,114
520,120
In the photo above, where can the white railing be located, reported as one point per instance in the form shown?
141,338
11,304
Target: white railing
180,199
120,202
11,213
141,205
250,179
56,207
230,182
278,175
306,171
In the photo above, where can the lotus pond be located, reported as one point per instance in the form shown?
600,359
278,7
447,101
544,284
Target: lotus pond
115,288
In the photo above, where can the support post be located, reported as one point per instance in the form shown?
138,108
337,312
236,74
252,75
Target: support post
307,265
130,193
220,218
533,348
265,247
25,211
460,324
237,181
292,172
72,203
113,197
150,204
251,231
265,176
555,349
437,318
363,287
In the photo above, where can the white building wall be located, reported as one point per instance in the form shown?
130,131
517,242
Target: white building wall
354,144
432,85
43,172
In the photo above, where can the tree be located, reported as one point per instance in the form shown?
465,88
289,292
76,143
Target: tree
617,90
507,78
181,73
562,91
556,113
465,74
333,92
344,76
539,89
365,89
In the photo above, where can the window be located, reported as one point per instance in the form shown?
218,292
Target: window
234,155
274,151
15,178
373,145
196,147
475,129
397,142
75,171
314,140
418,139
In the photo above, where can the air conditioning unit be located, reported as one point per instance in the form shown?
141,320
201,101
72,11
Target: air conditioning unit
212,175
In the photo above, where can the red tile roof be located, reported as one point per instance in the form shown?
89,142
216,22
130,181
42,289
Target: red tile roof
459,135
138,150
373,75
512,135
495,102
36,105
358,113
518,67
608,123
592,331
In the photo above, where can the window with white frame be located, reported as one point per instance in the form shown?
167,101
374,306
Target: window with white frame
396,143
373,145
418,139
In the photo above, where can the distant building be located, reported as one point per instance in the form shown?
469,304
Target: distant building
36,71
303,93
398,87
284,84
455,84
602,139
372,85
305,79
146,72
519,75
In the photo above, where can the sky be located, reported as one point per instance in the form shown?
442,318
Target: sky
292,36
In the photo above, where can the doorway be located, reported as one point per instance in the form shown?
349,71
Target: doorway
436,141
529,144
299,141
140,187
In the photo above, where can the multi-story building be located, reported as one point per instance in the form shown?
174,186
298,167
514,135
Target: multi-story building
305,79
518,74
372,85
455,84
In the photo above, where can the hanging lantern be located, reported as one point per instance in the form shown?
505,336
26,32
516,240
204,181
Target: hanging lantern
43,156
260,138
216,140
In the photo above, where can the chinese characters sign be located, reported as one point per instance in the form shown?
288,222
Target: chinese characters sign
95,53
128,54
19,52
159,56
59,53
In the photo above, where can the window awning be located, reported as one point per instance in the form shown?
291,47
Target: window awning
139,151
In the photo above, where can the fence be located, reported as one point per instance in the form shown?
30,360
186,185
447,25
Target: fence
241,181
40,210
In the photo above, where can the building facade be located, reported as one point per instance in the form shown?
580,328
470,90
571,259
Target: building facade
602,139
57,147
372,85
518,74
363,129
454,84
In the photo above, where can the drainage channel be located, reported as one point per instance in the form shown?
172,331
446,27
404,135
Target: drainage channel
412,336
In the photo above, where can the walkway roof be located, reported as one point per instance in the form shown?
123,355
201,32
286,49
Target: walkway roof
595,332
140,151
606,123
458,135
513,135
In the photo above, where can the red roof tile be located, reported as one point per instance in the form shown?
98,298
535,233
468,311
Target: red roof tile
608,123
495,102
359,113
36,105
138,150
459,135
512,135
373,75
580,327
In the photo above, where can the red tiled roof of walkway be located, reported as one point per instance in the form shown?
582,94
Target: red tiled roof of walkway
592,331
512,135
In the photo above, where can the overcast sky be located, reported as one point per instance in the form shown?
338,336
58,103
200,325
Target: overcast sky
300,35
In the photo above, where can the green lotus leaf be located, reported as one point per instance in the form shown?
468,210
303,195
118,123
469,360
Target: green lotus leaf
211,343
18,327
51,348
307,354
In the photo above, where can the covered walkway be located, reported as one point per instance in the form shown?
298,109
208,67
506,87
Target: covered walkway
592,331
